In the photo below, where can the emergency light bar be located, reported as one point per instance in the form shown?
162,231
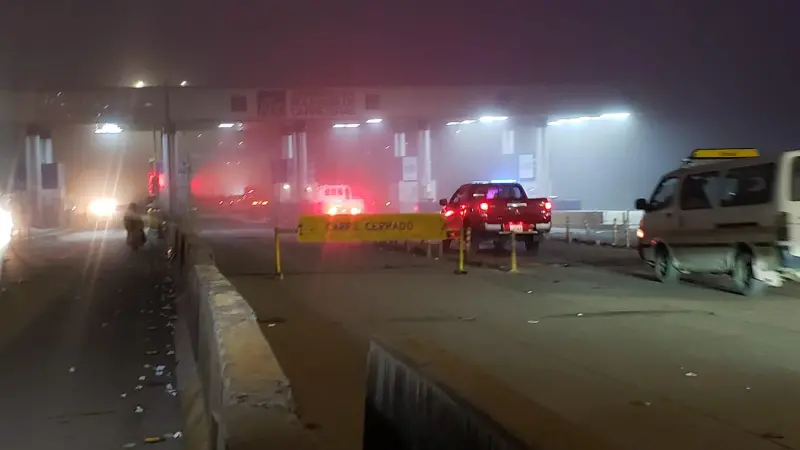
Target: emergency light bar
494,182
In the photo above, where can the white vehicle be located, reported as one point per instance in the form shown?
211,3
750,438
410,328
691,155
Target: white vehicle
338,199
726,212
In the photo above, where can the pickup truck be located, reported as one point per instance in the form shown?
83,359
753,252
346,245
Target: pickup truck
493,211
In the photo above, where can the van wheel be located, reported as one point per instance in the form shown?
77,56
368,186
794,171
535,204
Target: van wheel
665,269
743,275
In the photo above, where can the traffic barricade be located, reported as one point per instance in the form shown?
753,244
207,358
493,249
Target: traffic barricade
362,228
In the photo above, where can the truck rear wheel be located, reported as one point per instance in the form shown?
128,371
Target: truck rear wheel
532,245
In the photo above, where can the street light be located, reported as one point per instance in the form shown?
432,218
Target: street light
108,128
608,116
376,120
139,84
461,122
492,119
226,125
346,125
184,83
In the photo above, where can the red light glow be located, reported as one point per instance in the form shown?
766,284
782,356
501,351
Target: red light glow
484,206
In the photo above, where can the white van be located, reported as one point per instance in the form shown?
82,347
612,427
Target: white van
726,211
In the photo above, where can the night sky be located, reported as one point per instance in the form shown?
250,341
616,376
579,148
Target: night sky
699,55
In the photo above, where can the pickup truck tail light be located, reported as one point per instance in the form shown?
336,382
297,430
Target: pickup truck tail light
484,206
547,205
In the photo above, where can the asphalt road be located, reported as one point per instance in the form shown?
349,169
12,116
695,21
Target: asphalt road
76,335
582,331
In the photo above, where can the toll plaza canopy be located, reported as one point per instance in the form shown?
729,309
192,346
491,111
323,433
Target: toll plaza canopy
190,107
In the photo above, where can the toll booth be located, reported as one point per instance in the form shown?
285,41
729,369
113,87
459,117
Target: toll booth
54,213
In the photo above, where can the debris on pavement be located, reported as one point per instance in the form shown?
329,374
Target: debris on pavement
640,403
154,440
138,387
72,369
691,374
579,314
151,352
123,395
129,445
466,318
138,409
529,292
142,378
533,321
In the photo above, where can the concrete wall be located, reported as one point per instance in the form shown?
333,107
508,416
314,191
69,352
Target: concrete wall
238,398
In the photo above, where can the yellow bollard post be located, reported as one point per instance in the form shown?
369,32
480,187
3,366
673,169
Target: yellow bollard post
428,249
514,268
278,270
461,250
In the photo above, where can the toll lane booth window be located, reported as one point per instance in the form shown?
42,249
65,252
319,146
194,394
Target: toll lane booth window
746,186
664,193
699,191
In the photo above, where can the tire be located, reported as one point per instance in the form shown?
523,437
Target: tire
446,244
665,269
743,276
532,246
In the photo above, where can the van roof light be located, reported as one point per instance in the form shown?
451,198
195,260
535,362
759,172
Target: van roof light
724,153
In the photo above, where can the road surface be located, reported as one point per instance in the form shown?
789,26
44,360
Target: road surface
583,332
76,336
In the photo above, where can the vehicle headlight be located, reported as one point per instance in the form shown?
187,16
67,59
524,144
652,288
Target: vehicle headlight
103,207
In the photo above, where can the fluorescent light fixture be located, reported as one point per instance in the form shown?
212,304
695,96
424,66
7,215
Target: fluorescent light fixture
491,119
346,125
461,122
609,116
374,120
108,128
503,181
226,125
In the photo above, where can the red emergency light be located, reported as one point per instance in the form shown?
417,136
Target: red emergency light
152,179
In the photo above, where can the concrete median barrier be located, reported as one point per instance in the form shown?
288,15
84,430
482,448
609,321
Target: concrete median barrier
419,397
236,396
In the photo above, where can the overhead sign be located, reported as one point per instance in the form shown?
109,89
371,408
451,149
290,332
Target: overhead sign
323,104
372,228
724,153
271,103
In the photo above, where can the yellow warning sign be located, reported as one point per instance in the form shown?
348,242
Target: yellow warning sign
371,228
724,153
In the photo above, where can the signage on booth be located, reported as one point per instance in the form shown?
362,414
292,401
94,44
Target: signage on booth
372,228
323,103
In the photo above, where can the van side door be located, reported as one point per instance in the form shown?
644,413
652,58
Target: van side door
697,248
747,210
